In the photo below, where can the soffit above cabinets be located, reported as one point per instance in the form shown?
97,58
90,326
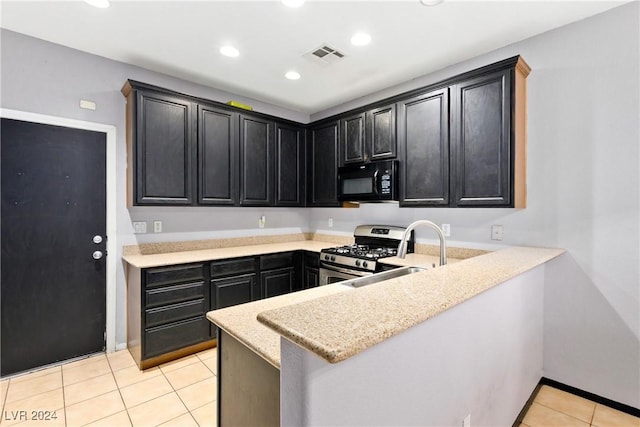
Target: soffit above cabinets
183,38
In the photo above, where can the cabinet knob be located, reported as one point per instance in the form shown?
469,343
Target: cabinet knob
97,239
97,255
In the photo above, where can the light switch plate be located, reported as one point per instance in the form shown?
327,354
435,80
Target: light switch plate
497,232
139,227
446,229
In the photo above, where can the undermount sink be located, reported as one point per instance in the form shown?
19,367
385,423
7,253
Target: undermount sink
379,277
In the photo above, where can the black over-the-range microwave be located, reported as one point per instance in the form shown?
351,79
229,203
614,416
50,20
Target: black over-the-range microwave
368,182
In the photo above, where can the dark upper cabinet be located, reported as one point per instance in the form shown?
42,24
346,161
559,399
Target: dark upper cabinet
164,151
369,136
353,139
290,165
381,133
423,134
217,156
481,141
256,161
323,158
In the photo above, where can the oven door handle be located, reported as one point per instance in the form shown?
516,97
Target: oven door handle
345,271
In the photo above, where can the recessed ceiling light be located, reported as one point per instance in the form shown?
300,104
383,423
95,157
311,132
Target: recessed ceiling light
360,39
431,2
229,51
292,3
98,3
292,75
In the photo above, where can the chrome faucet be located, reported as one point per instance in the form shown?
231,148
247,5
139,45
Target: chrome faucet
402,247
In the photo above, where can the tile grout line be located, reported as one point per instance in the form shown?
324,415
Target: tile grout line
119,392
64,401
568,415
177,395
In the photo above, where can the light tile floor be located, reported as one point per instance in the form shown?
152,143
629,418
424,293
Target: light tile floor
553,407
110,390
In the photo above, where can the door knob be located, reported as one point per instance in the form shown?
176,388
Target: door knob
97,239
97,255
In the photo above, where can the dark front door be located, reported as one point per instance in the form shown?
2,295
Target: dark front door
53,204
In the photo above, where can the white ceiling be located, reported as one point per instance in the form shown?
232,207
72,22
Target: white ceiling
182,38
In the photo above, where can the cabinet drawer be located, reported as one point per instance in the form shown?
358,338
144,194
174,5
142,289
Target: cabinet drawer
174,294
173,336
173,274
175,312
312,259
232,266
272,261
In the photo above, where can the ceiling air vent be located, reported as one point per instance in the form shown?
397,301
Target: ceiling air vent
325,55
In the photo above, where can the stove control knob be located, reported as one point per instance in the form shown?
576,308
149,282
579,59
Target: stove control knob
326,257
358,263
333,258
365,264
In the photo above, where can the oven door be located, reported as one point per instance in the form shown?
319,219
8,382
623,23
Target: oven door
332,274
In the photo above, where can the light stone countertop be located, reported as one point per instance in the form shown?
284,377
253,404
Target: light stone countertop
240,321
341,325
185,257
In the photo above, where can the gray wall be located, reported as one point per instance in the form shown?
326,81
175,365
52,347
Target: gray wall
583,194
583,110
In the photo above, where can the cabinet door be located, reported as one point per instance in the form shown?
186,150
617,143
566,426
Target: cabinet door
290,166
256,161
165,150
353,141
381,133
311,277
234,290
322,170
218,156
423,135
277,282
481,141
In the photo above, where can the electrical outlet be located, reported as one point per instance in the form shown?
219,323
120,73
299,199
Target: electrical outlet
446,229
330,222
467,421
262,221
139,227
157,226
497,232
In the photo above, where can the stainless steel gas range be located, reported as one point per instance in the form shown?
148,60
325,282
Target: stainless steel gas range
372,243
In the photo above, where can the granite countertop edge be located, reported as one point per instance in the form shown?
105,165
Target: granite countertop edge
335,329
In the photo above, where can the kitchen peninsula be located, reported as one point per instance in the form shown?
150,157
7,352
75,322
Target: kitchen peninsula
425,349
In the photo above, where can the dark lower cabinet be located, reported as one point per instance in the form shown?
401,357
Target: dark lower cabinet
166,309
423,134
280,273
234,290
323,158
481,141
311,269
166,306
234,281
277,282
217,156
